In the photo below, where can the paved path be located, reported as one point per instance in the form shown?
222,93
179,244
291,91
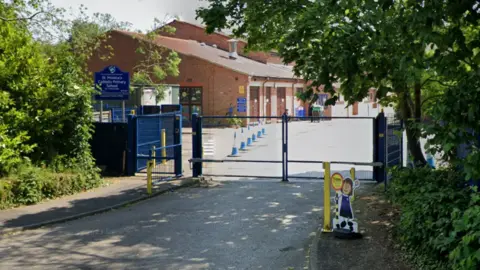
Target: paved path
119,191
240,225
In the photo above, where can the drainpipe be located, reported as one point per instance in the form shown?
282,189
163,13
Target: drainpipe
294,97
264,97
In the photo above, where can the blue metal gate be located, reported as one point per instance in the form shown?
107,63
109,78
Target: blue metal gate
394,144
156,137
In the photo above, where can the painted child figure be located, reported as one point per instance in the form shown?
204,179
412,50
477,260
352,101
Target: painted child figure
344,218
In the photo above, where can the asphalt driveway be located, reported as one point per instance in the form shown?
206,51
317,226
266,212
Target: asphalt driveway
238,225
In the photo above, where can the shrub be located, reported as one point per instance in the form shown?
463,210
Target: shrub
440,217
234,121
466,254
30,185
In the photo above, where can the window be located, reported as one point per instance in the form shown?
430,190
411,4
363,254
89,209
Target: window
191,94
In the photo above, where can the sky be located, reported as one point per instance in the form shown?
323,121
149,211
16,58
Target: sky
141,13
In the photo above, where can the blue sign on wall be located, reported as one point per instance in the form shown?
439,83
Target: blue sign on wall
241,100
113,83
241,108
241,104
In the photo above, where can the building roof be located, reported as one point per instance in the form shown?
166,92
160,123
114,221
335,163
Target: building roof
202,27
219,57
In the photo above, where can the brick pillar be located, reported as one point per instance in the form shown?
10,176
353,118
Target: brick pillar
290,99
273,101
261,101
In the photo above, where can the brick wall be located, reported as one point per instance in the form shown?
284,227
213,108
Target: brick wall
220,85
124,55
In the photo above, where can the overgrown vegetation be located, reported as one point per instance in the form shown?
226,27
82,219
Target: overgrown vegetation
45,115
440,217
46,94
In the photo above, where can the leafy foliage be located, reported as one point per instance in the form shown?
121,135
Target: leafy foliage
45,109
28,184
156,62
234,121
439,217
358,44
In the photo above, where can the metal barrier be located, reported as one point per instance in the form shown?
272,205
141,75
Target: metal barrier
281,144
156,138
393,145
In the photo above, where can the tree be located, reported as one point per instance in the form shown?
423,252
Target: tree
380,44
45,105
156,62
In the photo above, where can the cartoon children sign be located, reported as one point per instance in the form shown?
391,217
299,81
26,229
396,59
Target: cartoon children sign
345,188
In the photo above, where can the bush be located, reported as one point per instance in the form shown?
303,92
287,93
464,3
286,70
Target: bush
466,254
30,185
234,121
440,217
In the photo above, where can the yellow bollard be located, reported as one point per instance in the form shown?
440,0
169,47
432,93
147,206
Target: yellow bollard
132,112
326,198
149,176
154,155
352,175
164,143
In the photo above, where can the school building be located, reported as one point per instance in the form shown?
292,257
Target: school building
216,73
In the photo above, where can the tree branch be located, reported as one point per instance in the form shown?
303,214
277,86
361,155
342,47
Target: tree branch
437,81
426,81
430,98
22,19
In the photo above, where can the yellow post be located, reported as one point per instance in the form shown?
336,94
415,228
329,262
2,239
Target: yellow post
132,112
352,175
326,198
154,155
164,143
149,176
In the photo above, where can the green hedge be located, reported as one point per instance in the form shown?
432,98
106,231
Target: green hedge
440,221
30,185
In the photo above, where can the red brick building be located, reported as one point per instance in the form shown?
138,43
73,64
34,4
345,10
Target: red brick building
213,76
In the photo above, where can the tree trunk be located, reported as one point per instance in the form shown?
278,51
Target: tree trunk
413,134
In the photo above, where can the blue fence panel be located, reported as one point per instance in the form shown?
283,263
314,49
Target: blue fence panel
394,144
149,134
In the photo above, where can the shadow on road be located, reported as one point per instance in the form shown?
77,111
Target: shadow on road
236,225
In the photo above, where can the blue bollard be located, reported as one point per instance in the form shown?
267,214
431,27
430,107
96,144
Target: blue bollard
234,147
243,145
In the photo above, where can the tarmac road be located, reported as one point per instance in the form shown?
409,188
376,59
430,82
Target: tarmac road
238,225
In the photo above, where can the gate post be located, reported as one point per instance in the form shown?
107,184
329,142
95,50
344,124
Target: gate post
284,147
132,145
380,173
177,140
197,144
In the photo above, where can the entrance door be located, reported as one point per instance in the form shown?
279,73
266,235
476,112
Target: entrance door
254,101
281,100
191,101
